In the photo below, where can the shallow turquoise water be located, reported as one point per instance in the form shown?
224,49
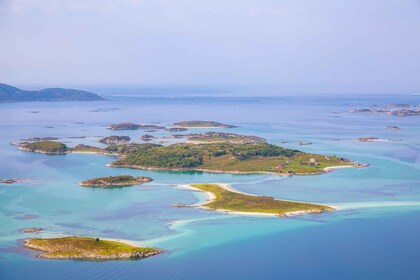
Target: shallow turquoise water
373,236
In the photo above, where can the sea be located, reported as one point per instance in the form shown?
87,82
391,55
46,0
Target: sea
375,234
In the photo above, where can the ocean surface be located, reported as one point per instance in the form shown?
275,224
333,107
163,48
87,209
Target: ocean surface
374,235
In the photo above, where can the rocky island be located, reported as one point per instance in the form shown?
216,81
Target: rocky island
247,158
133,126
202,124
392,109
115,181
224,198
31,230
13,94
115,140
87,248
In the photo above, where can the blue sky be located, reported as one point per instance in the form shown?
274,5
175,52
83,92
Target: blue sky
331,45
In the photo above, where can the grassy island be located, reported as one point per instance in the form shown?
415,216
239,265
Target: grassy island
86,248
45,147
217,137
115,181
225,199
224,157
202,124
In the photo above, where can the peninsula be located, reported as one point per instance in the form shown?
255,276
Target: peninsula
87,248
202,124
13,94
223,198
115,181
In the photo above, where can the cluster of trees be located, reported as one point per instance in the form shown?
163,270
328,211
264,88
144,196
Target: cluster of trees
161,156
245,151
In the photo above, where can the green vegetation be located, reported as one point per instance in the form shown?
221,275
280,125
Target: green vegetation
86,248
224,157
192,124
81,148
232,201
115,181
46,147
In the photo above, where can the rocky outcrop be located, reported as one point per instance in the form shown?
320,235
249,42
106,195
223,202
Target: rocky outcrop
133,126
115,140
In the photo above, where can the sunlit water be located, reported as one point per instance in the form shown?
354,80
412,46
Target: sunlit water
374,235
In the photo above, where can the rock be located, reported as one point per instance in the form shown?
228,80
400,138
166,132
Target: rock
115,140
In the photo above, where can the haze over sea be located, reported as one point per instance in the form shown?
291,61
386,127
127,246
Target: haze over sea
374,235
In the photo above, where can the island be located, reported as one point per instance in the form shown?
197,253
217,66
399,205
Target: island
87,248
12,94
393,127
115,181
133,126
245,158
202,124
147,137
114,140
214,137
82,148
31,230
45,147
223,198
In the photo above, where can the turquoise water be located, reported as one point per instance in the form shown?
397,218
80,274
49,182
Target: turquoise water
373,236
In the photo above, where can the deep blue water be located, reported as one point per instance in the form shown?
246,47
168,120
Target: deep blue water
374,235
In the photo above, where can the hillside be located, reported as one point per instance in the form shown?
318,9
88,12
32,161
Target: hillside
13,94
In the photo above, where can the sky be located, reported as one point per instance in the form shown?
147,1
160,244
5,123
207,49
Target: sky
339,46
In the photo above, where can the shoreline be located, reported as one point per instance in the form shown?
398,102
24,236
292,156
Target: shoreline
211,197
324,170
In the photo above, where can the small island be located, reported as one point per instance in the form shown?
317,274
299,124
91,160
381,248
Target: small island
32,139
115,181
393,127
223,198
202,124
115,140
31,230
133,126
87,248
147,137
45,147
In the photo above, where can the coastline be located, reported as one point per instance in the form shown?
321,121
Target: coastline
324,170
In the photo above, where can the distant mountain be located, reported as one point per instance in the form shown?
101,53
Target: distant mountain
13,94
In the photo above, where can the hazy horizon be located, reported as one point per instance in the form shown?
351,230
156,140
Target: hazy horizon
305,47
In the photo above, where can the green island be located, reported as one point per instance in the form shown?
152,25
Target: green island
45,147
87,248
225,199
202,124
115,181
244,158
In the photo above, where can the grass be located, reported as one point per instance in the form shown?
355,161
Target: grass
87,248
232,201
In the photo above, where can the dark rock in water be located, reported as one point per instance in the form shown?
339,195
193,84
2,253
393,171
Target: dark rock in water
393,127
147,137
13,94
